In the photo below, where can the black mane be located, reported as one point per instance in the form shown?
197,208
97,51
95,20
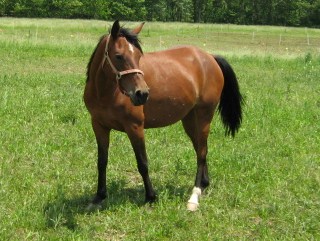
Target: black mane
131,38
93,54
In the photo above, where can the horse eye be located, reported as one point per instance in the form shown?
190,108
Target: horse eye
119,57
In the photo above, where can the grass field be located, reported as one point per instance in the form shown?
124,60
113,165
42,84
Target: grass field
265,183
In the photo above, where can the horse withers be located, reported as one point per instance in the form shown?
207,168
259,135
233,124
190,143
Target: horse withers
128,91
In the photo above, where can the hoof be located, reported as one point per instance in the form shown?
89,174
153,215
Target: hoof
191,206
96,204
93,207
151,199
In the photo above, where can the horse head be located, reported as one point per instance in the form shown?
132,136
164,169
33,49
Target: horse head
123,53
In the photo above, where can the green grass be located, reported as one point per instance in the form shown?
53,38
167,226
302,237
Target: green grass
265,183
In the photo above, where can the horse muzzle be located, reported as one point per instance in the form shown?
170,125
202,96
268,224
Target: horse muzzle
135,87
140,97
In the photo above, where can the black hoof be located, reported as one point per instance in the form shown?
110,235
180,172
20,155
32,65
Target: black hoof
96,203
151,199
94,207
98,199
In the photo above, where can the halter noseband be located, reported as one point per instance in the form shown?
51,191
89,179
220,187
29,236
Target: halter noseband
119,74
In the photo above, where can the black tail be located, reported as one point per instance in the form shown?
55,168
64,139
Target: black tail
231,100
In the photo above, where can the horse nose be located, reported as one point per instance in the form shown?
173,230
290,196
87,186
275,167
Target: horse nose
142,96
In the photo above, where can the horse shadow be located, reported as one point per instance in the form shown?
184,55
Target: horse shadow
62,210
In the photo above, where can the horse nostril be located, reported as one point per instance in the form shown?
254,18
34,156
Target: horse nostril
142,96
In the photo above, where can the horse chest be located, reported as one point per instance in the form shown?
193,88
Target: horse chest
117,117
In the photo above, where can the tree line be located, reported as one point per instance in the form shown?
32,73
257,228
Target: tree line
256,12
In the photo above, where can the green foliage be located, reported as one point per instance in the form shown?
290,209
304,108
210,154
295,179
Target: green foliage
265,12
127,10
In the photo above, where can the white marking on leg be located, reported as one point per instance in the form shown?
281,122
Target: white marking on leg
193,202
131,49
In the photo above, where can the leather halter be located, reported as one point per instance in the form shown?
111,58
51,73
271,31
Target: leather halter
119,74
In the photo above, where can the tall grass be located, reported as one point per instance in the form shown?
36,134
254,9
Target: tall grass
265,183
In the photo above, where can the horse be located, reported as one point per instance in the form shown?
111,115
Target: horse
129,91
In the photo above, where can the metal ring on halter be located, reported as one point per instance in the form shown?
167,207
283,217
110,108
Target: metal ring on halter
118,75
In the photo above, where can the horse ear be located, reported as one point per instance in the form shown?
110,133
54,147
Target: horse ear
115,29
137,29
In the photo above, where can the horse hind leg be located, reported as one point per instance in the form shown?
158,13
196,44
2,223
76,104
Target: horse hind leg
197,126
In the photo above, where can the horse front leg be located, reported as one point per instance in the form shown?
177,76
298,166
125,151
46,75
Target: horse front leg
102,138
136,136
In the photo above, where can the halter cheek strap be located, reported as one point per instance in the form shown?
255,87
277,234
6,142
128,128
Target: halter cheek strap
119,74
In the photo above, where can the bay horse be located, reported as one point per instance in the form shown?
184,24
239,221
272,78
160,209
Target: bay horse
127,90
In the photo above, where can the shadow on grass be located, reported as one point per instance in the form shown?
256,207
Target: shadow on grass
61,211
